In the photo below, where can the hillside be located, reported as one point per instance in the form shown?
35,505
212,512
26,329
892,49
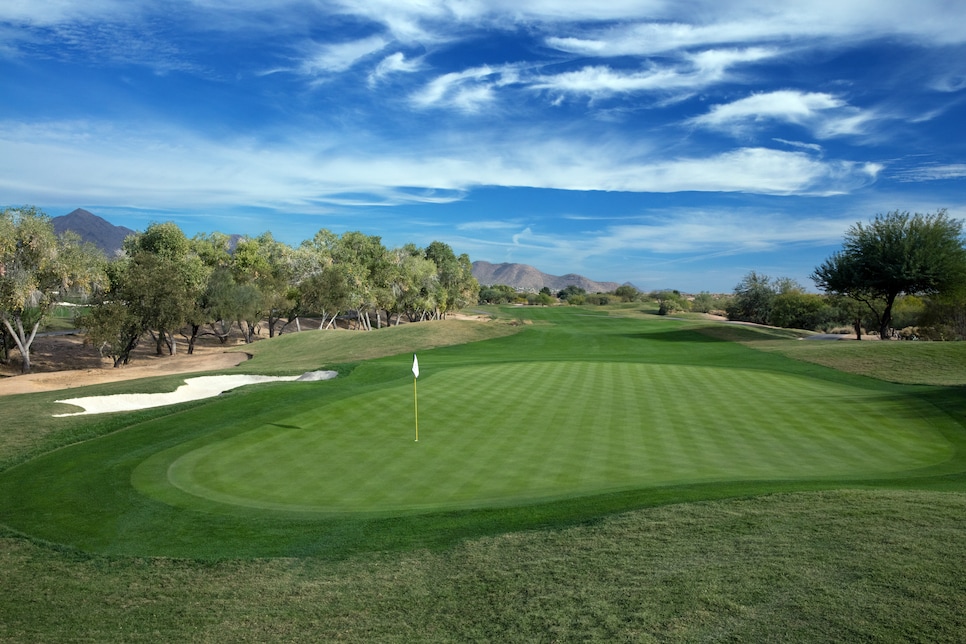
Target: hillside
93,229
528,278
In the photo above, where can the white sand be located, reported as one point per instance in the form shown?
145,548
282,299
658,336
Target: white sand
193,389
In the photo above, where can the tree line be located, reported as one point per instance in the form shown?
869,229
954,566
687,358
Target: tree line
901,275
164,285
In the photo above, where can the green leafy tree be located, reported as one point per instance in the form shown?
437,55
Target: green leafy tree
328,293
944,317
497,294
753,299
37,267
668,301
571,291
896,253
171,276
366,266
627,293
457,286
705,302
796,309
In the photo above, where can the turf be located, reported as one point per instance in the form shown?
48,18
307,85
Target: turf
576,416
837,566
598,427
810,555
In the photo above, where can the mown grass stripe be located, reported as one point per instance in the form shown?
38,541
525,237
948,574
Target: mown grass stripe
575,427
517,421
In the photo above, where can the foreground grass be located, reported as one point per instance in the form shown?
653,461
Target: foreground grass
846,565
872,564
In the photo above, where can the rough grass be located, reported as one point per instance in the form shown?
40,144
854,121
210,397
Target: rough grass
845,565
918,363
297,352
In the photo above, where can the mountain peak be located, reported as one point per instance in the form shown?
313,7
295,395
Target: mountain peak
528,278
91,228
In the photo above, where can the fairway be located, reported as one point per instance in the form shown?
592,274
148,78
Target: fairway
574,416
563,428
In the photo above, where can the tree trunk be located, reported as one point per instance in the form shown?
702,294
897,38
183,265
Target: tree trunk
194,337
124,357
223,332
21,340
158,341
886,320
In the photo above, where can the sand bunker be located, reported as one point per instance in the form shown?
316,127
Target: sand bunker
193,389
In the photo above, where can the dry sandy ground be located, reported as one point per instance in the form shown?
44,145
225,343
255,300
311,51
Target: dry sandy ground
64,362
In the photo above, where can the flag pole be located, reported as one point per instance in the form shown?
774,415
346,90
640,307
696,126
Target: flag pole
415,397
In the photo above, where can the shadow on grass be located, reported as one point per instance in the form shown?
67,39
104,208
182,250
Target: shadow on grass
674,335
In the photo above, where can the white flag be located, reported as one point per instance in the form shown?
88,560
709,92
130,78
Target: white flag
415,367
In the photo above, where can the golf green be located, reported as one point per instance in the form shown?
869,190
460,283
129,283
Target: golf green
574,416
557,429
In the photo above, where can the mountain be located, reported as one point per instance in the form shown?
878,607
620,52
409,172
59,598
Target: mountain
528,278
93,229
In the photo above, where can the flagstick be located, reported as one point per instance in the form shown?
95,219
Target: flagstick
416,408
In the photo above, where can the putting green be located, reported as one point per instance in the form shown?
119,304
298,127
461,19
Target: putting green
518,433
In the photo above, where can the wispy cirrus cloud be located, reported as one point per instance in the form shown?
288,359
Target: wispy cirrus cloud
932,172
468,90
693,72
119,165
824,114
333,58
393,64
713,24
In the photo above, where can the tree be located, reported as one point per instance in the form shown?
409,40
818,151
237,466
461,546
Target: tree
570,292
170,279
458,287
365,263
627,293
796,309
36,268
497,294
265,271
668,301
896,253
753,299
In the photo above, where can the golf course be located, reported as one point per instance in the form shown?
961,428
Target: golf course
581,473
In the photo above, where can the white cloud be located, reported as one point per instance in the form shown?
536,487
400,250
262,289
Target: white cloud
340,57
492,224
697,71
393,64
933,172
52,12
111,165
824,114
813,147
468,90
675,26
721,232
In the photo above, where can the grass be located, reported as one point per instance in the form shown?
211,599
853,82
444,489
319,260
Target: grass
831,566
723,493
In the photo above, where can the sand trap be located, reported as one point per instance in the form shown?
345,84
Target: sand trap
193,389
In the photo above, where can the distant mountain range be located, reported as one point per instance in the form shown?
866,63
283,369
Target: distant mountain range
528,278
91,228
110,239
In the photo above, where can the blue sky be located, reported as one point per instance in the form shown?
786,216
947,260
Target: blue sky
666,143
